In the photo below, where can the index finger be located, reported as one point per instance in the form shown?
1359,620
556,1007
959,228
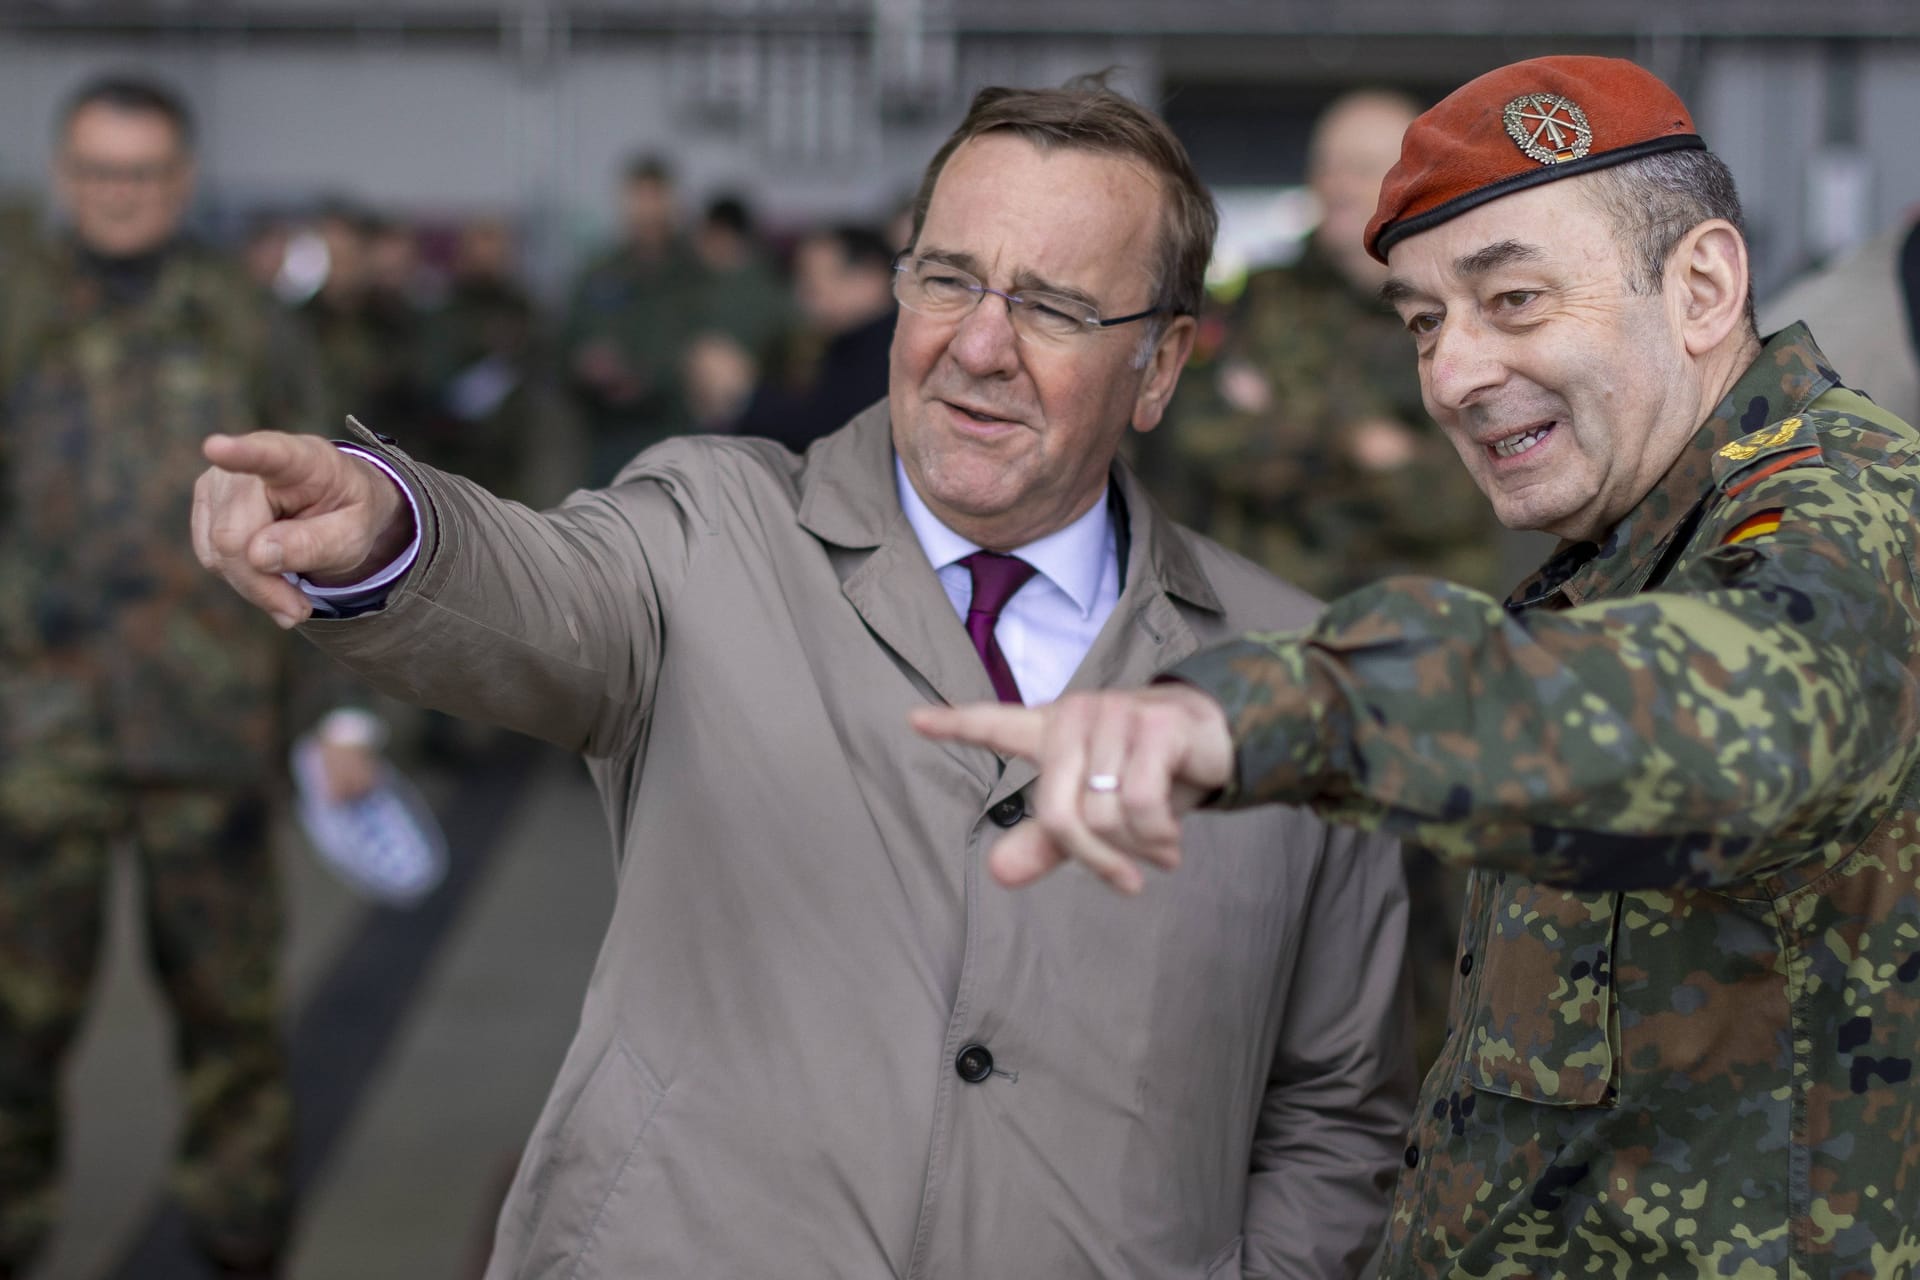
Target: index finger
276,457
1009,730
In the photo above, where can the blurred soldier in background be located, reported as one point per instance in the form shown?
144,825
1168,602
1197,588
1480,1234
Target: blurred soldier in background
363,320
741,294
480,355
843,286
1309,451
630,315
136,700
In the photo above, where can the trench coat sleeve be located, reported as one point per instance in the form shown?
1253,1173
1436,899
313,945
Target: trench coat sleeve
548,623
1340,1094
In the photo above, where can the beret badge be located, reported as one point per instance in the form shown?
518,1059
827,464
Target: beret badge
1548,127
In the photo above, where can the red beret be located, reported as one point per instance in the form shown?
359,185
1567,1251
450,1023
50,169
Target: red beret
1517,127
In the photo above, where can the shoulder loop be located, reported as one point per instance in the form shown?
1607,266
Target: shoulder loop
1790,442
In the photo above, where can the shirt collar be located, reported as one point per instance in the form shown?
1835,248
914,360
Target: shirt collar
1072,558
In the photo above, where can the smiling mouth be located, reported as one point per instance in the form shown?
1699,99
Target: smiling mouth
976,415
1514,446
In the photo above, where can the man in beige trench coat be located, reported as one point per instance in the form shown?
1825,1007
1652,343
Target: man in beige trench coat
819,1041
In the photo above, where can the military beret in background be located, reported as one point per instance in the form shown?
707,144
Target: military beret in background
1520,126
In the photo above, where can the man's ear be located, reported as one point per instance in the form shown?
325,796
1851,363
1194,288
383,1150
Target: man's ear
1164,363
1707,284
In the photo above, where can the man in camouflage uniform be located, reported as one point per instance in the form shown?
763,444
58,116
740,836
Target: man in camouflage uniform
630,316
1681,759
136,699
1305,447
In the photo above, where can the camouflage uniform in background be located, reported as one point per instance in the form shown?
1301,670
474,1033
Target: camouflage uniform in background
645,312
479,363
138,698
369,357
1282,485
749,304
1283,488
1682,766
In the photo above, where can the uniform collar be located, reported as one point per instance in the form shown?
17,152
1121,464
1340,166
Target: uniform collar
1789,374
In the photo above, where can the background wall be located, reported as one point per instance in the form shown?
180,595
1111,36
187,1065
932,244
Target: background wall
828,108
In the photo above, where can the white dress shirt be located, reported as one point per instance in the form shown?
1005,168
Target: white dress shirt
1049,624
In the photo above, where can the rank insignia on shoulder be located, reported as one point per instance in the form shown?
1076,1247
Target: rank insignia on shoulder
1757,525
1747,447
1752,458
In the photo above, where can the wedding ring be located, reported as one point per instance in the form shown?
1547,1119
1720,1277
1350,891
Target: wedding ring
1103,782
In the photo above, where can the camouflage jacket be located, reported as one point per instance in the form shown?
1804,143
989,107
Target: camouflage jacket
1681,763
646,312
122,656
1284,484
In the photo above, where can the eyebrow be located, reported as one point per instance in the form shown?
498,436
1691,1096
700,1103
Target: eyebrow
1396,291
1025,282
1501,253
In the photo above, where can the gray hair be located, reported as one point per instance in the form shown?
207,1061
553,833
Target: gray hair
1653,202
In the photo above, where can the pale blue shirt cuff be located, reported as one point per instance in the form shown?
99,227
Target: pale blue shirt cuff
369,593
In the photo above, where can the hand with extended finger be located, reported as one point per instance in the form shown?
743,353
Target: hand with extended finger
274,503
1118,771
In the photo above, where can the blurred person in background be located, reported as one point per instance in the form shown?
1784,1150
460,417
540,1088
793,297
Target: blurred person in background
1866,309
843,287
134,703
263,250
742,296
815,1042
399,292
1309,450
363,317
629,318
480,364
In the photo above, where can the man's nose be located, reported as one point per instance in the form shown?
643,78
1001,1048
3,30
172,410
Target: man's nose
985,343
1466,362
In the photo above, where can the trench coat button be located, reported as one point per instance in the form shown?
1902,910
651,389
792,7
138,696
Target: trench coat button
974,1063
1008,811
1466,964
1413,1157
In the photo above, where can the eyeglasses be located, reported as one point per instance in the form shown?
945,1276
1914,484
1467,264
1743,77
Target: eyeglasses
944,292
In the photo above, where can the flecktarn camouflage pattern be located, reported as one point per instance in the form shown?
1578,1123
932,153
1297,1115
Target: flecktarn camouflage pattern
139,697
1681,763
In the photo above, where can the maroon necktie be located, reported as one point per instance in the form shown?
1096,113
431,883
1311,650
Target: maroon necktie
995,579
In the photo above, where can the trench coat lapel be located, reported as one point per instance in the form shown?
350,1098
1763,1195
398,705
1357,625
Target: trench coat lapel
848,500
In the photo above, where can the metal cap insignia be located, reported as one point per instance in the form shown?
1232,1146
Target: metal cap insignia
1548,127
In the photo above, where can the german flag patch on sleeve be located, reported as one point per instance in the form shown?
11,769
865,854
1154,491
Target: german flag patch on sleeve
1757,525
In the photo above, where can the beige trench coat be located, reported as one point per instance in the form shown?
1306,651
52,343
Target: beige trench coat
819,1040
